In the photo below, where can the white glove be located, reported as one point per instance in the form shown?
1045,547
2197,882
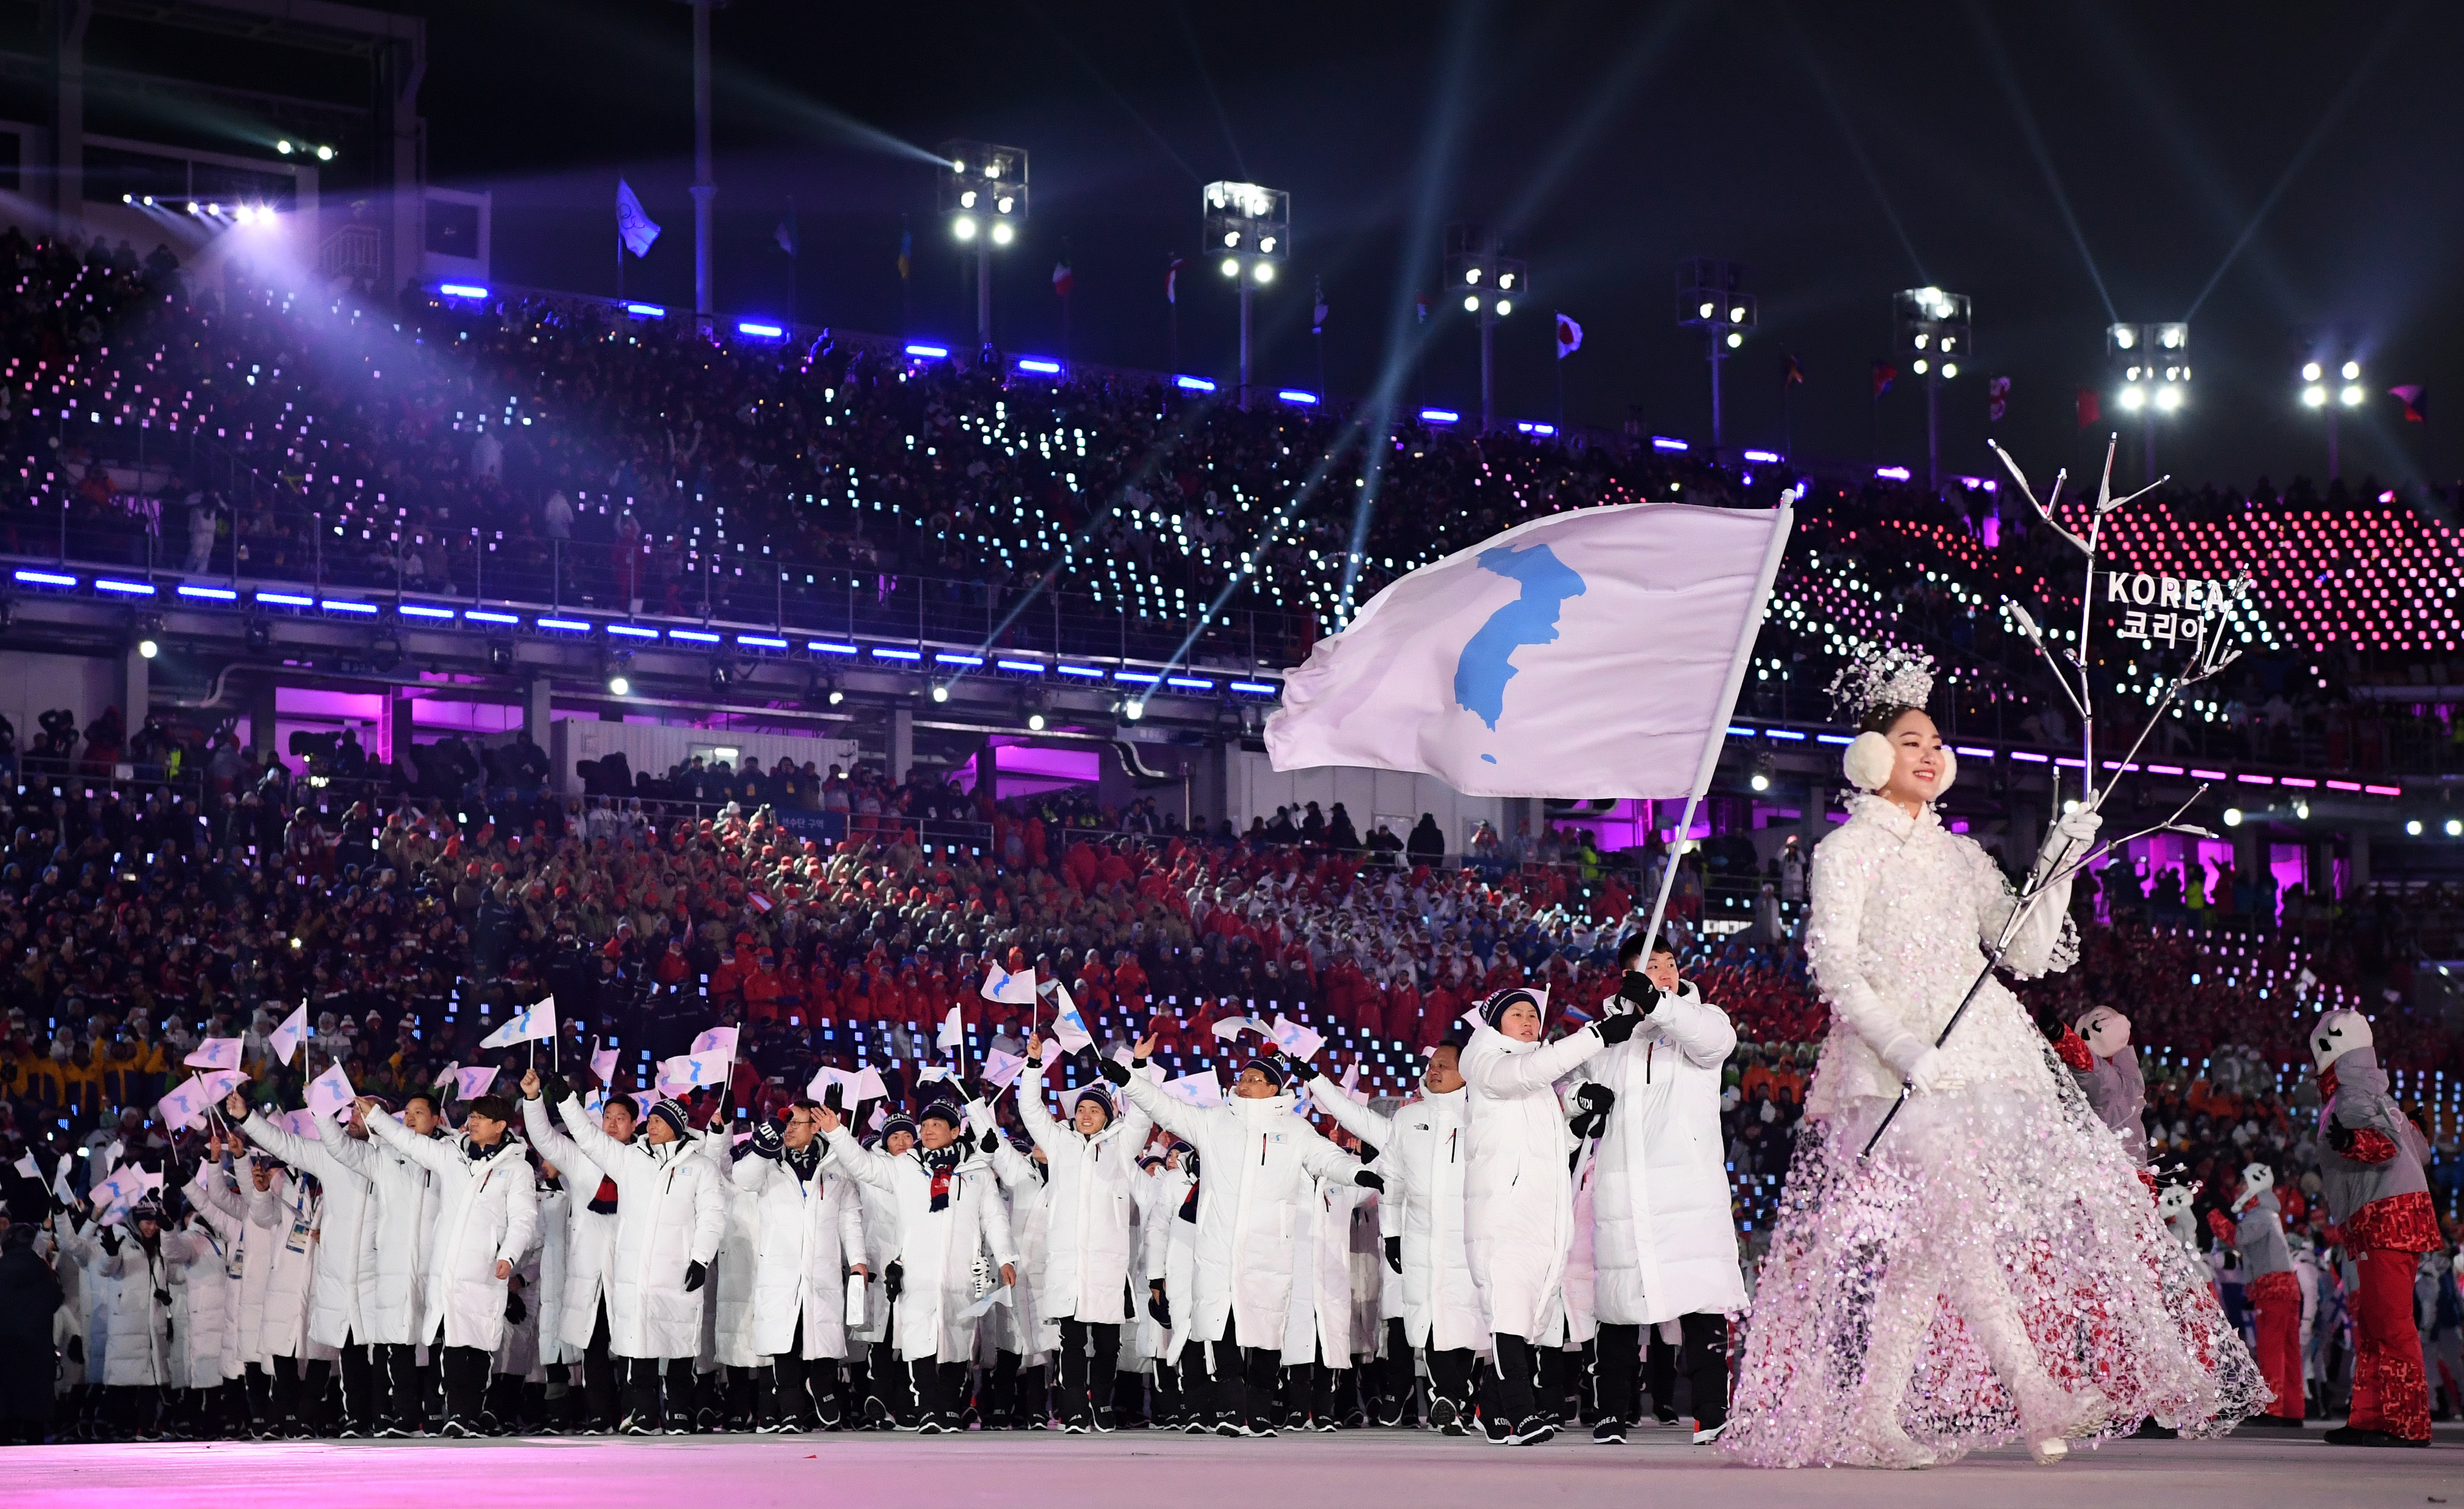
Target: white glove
1932,1073
2074,835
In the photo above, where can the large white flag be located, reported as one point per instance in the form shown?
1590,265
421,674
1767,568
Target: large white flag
285,1039
214,1053
330,1093
1069,1028
637,228
536,1023
1592,653
1014,989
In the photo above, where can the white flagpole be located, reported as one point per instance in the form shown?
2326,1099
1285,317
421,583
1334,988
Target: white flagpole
1783,519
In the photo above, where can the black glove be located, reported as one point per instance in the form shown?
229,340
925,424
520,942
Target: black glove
1594,1098
553,1088
110,1240
992,1143
1369,1179
1159,1306
1113,1070
516,1310
893,1279
2341,1138
1636,988
1617,1029
694,1276
769,1139
77,1349
1394,1252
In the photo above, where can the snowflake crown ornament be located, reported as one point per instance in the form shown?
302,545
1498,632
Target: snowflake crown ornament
1885,676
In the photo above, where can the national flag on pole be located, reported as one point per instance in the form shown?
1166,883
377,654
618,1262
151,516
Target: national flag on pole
214,1053
906,255
1791,375
1014,990
285,1039
1570,338
2089,408
1513,669
1172,281
533,1023
785,232
1295,1039
637,228
1063,279
1000,1068
826,1080
469,1084
1227,1028
954,1032
1202,1088
1998,398
867,1085
1317,307
330,1093
1069,1028
2416,410
602,1063
1883,373
60,1182
720,1041
27,1167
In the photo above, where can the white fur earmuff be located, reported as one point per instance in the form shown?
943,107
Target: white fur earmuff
1949,772
1868,761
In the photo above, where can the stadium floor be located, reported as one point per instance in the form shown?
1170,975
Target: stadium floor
1355,1469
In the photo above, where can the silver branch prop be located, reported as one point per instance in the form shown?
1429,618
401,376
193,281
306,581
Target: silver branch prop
2207,660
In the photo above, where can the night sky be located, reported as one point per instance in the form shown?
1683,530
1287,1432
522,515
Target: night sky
2047,160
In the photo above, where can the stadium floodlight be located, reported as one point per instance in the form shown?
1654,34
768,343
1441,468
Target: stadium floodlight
980,182
1252,225
1932,322
1711,298
2152,361
2331,379
1476,261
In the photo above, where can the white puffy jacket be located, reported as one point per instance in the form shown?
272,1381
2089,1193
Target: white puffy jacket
1256,1161
342,1230
1318,1323
1665,1238
938,1250
669,1214
1026,1324
808,1230
202,1281
546,1296
137,1343
1518,1193
487,1208
401,1228
1170,1245
1087,1265
589,1234
1422,1155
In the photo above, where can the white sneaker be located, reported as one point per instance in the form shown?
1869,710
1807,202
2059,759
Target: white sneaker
1704,1435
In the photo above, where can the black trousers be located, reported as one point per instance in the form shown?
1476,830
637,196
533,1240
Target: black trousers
466,1383
1450,1376
643,1394
359,1383
782,1390
1616,1372
1507,1392
599,1372
1394,1378
1245,1377
1075,1393
1705,1360
892,1384
405,1398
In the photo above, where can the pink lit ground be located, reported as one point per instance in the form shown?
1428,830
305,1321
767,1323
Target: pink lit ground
1353,1470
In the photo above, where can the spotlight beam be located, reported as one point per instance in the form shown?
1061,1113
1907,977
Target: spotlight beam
2309,147
1078,56
1614,94
2003,74
1197,57
1813,64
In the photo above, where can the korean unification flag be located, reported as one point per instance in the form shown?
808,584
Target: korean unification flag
1000,1068
531,1024
286,1039
468,1084
1202,1088
1595,652
824,1080
185,1106
330,1093
602,1065
720,1041
1228,1028
1295,1039
693,1071
1069,1028
1013,989
866,1085
953,1035
214,1053
125,1187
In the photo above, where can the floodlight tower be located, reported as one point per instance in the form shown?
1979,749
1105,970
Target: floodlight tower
1932,330
983,198
2155,365
2331,380
1247,228
1488,282
1711,298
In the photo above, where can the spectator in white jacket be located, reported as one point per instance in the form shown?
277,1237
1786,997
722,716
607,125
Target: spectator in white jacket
1257,1163
1088,1225
1421,1153
1519,1197
807,1240
669,1214
950,1213
486,1213
342,1242
580,1317
1665,1241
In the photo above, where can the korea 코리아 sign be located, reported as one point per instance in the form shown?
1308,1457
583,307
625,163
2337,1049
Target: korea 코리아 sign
2172,610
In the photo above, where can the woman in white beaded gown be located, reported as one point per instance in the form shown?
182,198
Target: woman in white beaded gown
1995,1270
